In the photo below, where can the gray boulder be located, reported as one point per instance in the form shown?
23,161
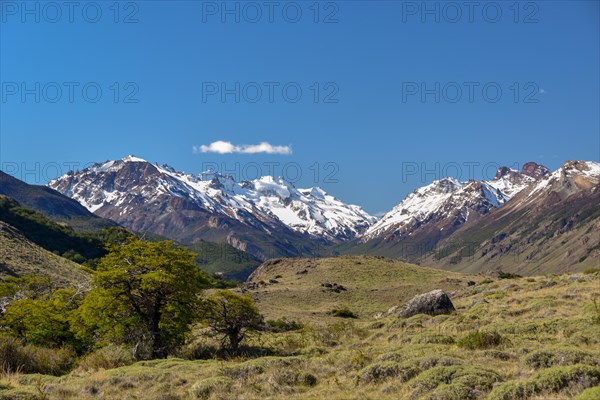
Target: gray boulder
435,302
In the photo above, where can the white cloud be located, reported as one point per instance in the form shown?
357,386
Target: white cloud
222,147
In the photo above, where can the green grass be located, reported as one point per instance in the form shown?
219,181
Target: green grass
20,257
548,349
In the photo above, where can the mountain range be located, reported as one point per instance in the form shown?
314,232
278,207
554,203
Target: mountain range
265,217
473,225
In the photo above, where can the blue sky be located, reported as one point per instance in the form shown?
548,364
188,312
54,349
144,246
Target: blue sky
367,119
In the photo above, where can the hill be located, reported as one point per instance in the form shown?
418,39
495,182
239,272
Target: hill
520,338
19,257
81,247
293,288
52,204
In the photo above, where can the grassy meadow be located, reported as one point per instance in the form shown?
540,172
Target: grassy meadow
522,338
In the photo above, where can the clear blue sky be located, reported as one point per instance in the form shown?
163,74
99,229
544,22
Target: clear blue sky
376,53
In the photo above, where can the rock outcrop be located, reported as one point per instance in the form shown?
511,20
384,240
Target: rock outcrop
433,303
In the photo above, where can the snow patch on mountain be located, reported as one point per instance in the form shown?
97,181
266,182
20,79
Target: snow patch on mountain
268,199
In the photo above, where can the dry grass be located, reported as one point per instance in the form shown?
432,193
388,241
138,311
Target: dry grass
550,345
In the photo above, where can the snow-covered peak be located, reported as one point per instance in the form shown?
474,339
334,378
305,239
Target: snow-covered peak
448,198
132,158
570,177
587,168
273,201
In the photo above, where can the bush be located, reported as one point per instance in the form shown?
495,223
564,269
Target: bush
507,275
379,372
432,338
557,378
551,357
343,313
283,325
455,382
32,359
589,394
590,271
480,340
243,372
549,381
292,378
111,356
206,387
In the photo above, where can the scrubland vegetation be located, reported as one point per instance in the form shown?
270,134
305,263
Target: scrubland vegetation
285,334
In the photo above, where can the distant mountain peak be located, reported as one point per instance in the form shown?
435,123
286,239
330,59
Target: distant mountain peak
587,167
535,170
116,189
132,158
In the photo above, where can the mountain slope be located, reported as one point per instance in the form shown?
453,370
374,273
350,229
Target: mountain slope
51,204
19,257
77,246
265,217
435,211
551,226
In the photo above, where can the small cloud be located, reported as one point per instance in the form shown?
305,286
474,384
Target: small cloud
542,91
222,147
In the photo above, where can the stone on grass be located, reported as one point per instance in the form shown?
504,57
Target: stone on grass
435,302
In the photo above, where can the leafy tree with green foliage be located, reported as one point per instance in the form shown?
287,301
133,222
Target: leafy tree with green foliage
143,294
31,286
231,316
43,320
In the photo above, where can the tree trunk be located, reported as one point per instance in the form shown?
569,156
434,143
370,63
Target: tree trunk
234,342
158,348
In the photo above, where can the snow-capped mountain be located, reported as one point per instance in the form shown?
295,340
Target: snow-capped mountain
118,189
552,225
449,203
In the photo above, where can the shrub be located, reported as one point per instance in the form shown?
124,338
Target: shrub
432,338
44,320
590,271
379,372
589,394
549,381
292,378
512,391
243,372
205,388
283,325
343,313
461,382
480,340
596,315
393,365
507,275
555,379
31,359
545,358
111,356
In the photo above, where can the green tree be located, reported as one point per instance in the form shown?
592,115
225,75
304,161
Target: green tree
143,294
43,320
231,316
